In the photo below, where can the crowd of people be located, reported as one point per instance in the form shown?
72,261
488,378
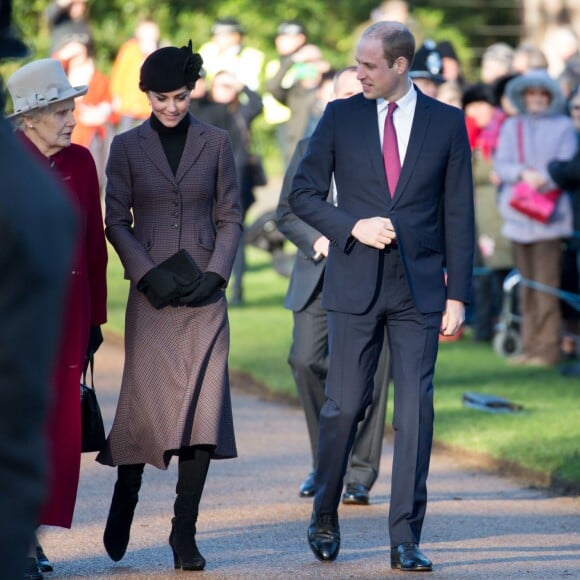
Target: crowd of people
289,91
166,139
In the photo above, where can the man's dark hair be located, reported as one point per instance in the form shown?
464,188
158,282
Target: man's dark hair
396,38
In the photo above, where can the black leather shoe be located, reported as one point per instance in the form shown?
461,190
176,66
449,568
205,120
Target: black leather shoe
43,562
32,571
356,494
408,558
307,487
324,536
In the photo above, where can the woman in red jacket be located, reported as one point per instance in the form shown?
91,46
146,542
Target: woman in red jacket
94,110
43,102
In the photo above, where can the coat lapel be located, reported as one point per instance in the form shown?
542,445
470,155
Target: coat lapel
154,150
193,146
370,127
418,133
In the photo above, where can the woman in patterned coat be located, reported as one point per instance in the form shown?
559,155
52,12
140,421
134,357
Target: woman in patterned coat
171,186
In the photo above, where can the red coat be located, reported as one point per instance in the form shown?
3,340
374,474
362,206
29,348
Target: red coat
84,306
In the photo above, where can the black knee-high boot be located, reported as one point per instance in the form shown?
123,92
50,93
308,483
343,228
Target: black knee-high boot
193,467
125,498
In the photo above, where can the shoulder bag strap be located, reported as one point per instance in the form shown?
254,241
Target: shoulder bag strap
520,141
89,363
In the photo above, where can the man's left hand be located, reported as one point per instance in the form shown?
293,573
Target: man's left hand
453,317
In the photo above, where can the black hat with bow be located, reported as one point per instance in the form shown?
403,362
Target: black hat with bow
170,68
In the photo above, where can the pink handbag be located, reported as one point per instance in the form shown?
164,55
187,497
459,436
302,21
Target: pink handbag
527,200
536,205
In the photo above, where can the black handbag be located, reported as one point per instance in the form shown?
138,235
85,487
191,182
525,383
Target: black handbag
93,429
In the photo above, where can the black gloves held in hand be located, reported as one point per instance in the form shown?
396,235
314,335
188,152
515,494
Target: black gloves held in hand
207,284
160,287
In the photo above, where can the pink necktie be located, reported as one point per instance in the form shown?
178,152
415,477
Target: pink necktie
391,151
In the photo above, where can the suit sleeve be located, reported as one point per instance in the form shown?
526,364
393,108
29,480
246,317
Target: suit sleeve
297,231
458,211
227,213
119,216
566,174
312,183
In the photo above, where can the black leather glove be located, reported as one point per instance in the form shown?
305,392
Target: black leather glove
160,287
95,340
207,284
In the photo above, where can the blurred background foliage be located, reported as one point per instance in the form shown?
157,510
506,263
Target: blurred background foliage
332,24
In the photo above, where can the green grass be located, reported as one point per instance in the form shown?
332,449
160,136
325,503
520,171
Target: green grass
544,438
117,291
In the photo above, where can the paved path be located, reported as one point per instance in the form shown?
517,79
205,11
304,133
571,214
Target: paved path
253,524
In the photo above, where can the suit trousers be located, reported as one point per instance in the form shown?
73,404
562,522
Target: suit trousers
355,345
309,363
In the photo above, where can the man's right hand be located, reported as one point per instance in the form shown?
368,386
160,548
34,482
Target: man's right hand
376,232
320,247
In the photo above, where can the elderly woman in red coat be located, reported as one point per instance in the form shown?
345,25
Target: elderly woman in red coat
43,102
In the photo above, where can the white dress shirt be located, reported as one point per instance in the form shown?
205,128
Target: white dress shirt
402,119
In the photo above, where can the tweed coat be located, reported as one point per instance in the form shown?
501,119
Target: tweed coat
175,387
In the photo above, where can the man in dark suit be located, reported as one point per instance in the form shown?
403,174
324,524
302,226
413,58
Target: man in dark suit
36,240
396,227
309,352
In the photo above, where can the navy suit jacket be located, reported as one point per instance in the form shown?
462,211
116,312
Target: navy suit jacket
432,208
306,273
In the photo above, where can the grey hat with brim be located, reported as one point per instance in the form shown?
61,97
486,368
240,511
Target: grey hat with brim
516,88
39,84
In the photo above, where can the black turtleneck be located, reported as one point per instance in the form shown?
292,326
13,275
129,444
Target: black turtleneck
172,139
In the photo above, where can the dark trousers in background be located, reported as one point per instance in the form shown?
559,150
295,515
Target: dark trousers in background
308,360
571,283
487,299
